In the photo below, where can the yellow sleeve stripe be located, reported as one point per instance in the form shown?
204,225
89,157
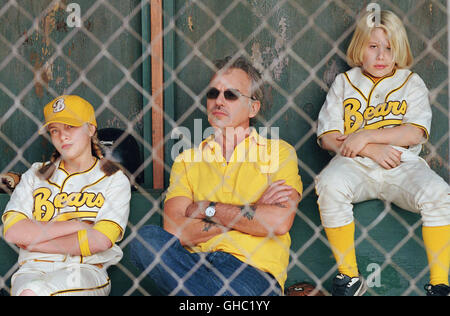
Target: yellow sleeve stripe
11,218
84,243
327,132
427,136
110,229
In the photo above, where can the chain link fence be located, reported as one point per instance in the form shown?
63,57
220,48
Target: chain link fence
107,52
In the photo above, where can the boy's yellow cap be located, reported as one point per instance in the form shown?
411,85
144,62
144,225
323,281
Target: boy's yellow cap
69,109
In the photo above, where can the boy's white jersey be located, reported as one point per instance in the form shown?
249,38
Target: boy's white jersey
88,196
355,101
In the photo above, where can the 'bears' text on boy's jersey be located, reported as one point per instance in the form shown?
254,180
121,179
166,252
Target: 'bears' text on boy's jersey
356,101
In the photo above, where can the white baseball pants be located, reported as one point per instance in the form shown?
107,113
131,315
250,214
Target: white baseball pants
413,186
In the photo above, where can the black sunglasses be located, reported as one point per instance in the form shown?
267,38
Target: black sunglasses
229,94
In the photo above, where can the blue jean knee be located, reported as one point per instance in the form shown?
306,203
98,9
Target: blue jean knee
159,252
150,240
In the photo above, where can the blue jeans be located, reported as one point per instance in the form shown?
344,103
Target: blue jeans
176,271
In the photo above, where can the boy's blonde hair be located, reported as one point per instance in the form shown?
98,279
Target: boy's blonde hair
395,31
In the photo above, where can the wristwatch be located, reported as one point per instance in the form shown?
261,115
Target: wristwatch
210,210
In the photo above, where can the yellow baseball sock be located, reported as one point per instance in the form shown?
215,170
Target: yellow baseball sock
437,245
342,241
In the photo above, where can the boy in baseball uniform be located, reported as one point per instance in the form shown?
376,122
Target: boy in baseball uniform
66,215
375,119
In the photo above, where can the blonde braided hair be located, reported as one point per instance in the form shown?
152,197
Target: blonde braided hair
107,166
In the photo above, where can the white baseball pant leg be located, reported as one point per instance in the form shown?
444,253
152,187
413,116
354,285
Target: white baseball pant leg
60,279
412,186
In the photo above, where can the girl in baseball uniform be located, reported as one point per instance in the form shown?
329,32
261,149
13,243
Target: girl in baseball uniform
375,119
66,215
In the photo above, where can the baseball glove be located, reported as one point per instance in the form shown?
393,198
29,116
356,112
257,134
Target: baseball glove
303,289
9,181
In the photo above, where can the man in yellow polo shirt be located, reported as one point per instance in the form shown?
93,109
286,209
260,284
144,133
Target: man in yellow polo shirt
230,204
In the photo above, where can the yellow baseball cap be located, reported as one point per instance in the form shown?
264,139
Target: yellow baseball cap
69,109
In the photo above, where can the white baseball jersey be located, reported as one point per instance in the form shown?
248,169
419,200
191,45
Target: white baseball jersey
356,101
89,195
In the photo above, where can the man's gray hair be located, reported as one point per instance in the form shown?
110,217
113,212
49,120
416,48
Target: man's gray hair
243,64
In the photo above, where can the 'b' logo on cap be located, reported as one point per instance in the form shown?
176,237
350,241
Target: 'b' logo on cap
59,105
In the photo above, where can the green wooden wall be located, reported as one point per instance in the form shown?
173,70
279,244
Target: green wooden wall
102,61
301,45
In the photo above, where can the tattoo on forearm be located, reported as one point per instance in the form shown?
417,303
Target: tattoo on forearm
248,211
207,225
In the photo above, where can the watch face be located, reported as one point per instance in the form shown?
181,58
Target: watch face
210,211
